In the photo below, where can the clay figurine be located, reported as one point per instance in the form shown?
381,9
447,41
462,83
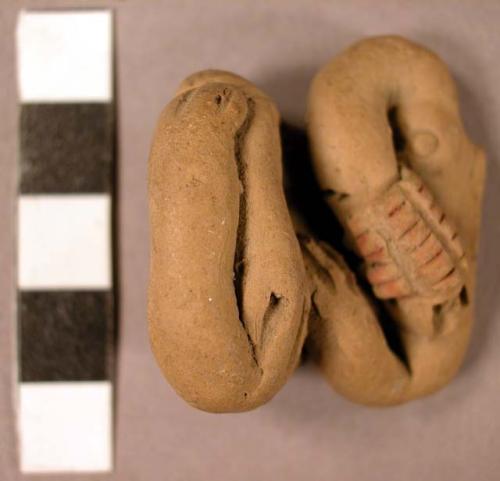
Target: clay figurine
237,288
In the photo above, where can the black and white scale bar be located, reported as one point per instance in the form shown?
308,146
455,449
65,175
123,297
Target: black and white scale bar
66,148
65,272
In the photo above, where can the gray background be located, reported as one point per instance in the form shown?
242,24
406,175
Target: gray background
307,431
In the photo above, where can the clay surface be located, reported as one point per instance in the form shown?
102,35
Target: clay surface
227,306
233,296
395,165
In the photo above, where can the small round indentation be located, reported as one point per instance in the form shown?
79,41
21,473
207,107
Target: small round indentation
424,143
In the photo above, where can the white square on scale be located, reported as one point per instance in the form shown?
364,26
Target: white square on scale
65,426
64,241
65,56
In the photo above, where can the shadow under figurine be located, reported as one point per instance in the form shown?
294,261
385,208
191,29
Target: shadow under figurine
239,282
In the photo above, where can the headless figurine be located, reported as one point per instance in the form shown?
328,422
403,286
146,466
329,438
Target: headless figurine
237,287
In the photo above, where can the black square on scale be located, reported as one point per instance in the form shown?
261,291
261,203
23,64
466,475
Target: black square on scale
66,148
65,335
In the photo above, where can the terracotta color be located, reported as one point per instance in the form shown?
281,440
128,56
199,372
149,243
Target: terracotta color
229,300
412,254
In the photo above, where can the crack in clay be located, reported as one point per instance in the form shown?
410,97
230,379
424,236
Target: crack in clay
437,318
183,100
340,196
239,267
273,305
464,296
302,331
